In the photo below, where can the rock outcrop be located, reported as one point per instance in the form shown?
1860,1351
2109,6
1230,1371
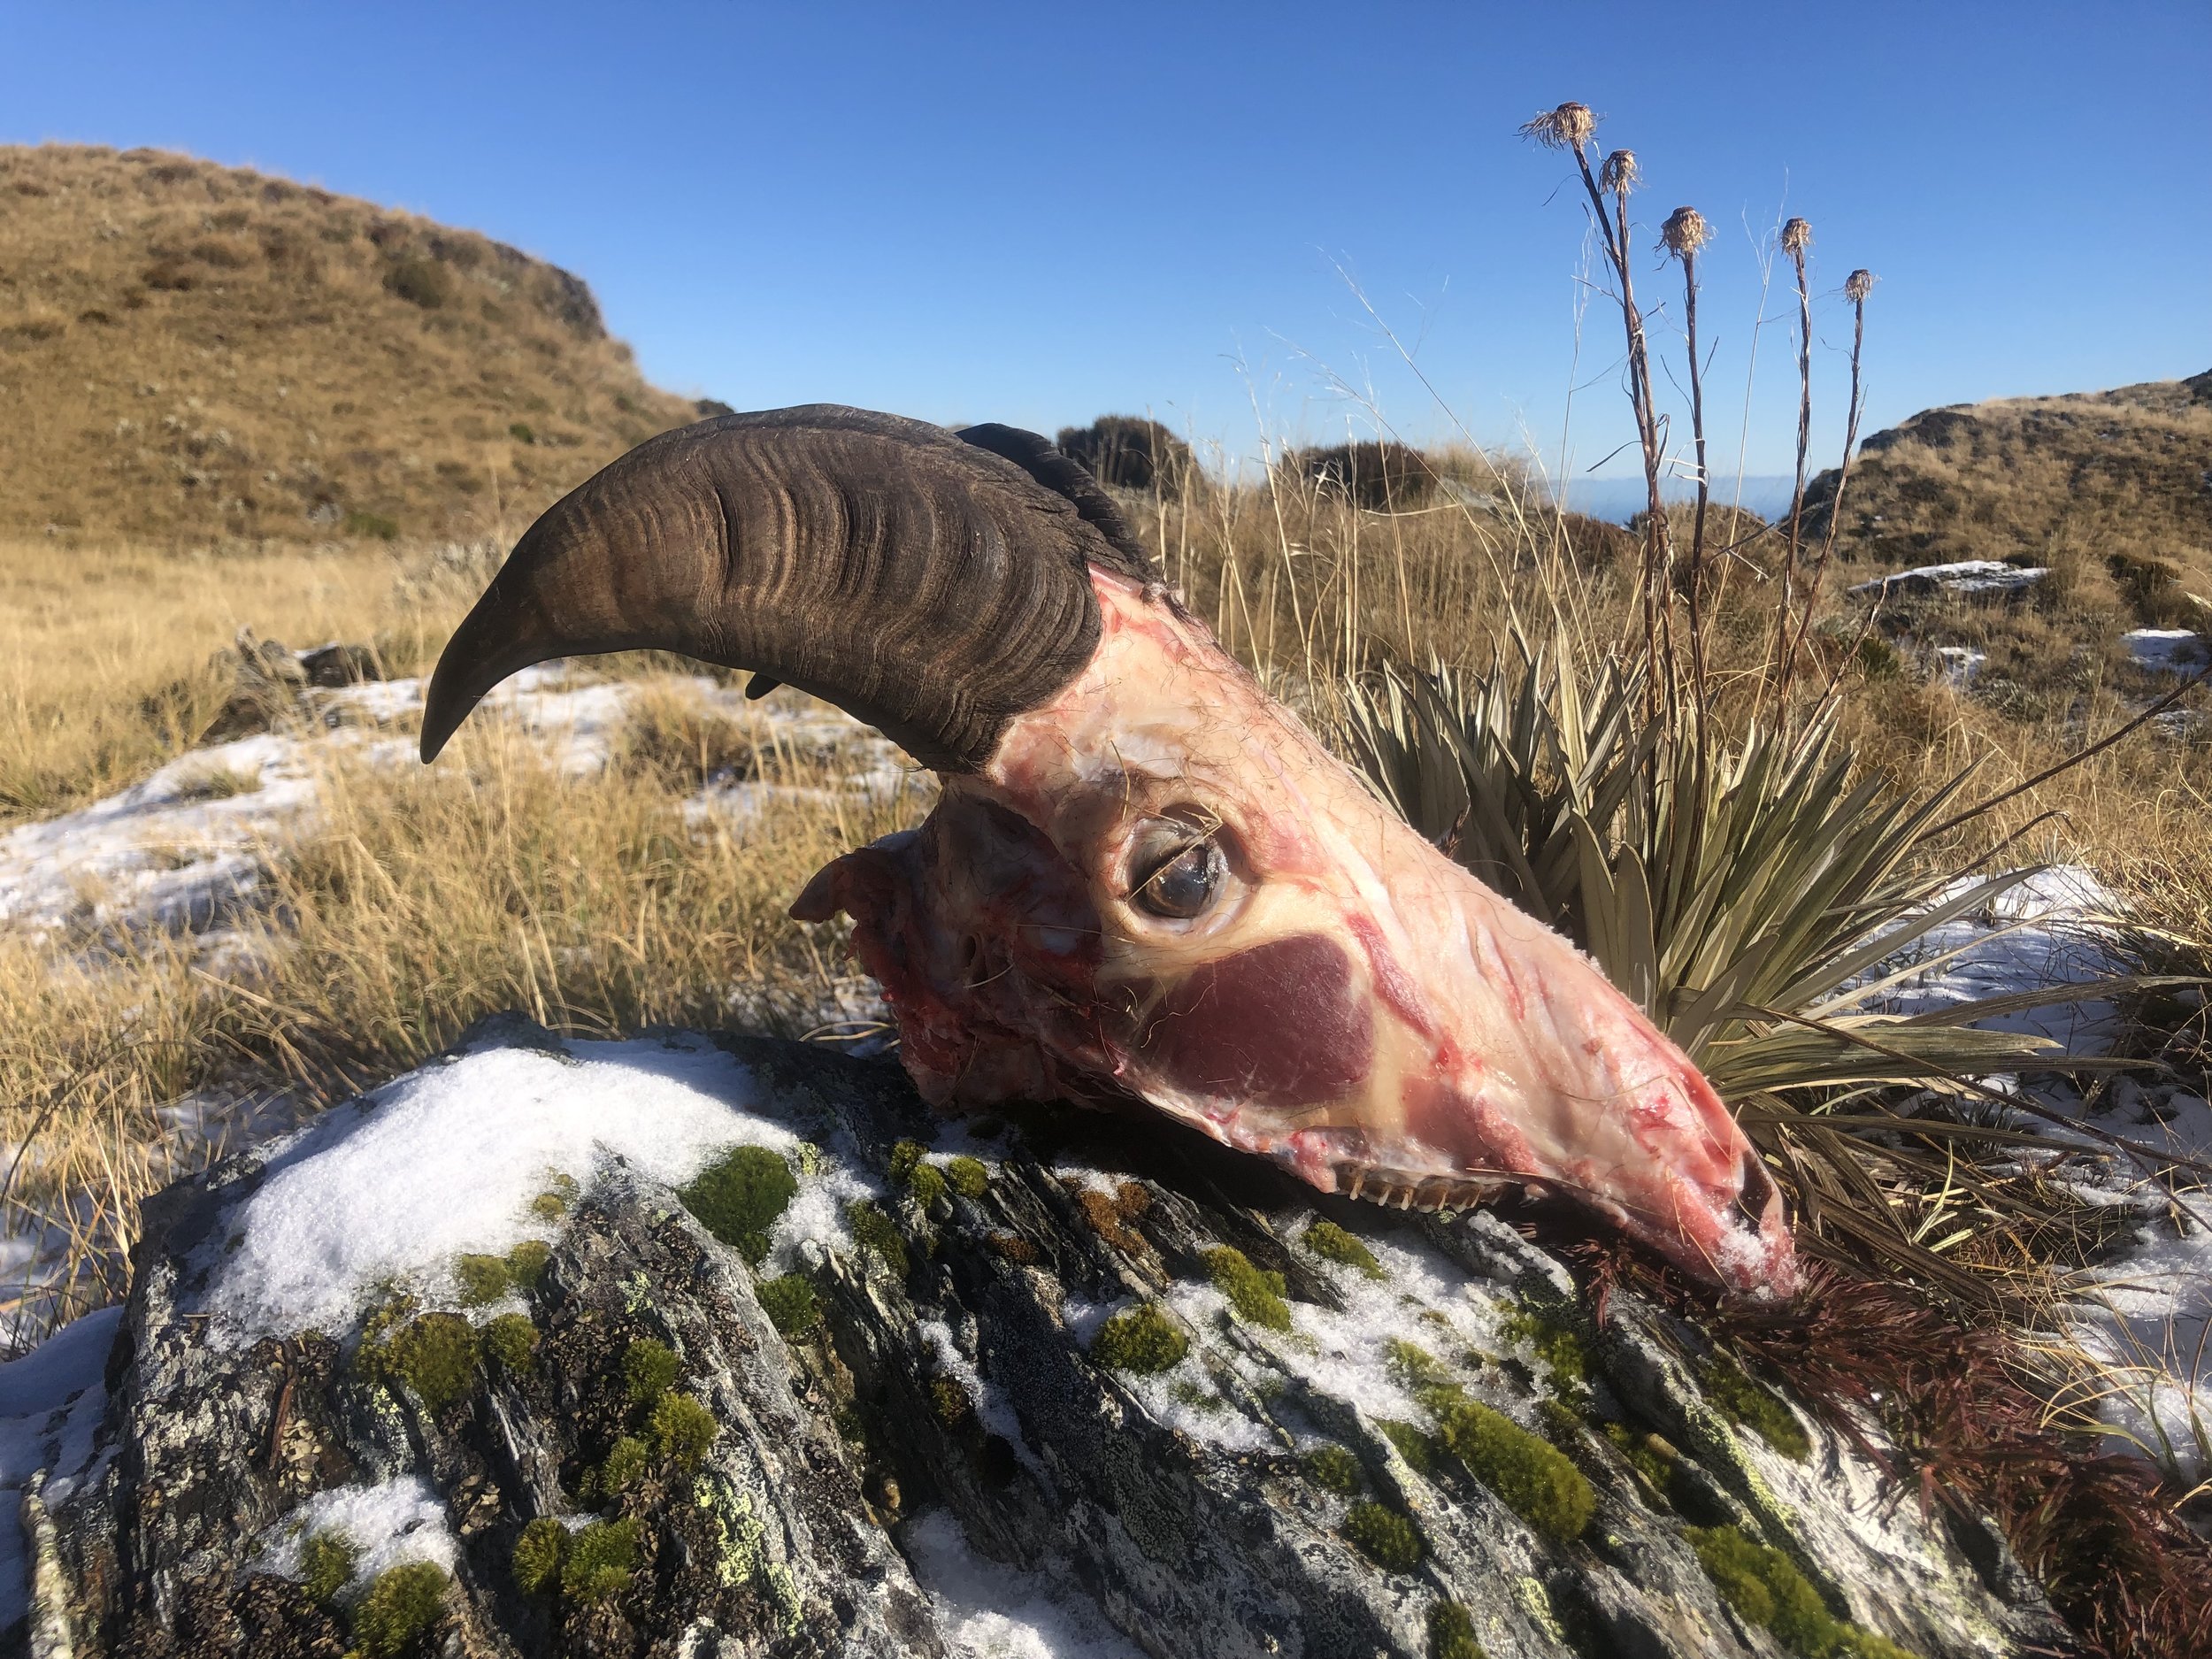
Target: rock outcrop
1204,1408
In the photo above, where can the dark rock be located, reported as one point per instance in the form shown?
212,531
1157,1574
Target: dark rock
1193,1513
331,666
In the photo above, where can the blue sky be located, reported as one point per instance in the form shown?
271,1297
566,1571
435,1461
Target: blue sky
1040,213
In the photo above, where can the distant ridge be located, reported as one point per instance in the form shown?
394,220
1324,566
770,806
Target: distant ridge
200,355
1617,499
2114,487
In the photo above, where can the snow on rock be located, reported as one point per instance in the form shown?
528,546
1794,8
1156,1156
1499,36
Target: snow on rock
446,1160
51,1401
2175,650
1956,665
389,1525
988,1611
1983,578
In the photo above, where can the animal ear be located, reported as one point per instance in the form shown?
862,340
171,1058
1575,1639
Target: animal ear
1058,473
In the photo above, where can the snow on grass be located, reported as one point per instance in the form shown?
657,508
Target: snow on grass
988,1611
1983,577
2173,651
447,1160
389,1525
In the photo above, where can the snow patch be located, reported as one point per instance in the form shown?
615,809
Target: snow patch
1982,576
988,1611
389,1525
447,1159
2173,651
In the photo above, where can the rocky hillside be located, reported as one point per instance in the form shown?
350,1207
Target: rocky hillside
197,354
2111,490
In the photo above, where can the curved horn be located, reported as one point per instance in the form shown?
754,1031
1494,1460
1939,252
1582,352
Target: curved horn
921,583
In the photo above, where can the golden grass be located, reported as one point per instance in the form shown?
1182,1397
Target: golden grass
194,355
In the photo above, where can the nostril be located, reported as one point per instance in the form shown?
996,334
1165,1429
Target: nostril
1756,1192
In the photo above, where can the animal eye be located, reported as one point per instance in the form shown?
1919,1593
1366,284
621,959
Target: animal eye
1183,878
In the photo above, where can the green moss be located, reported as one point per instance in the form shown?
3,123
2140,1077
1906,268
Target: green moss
434,1357
1385,1537
527,1261
1643,1454
599,1561
1561,1423
1744,1402
1414,1365
906,1158
949,1400
1257,1297
1413,1444
549,1206
1767,1589
740,1196
625,1465
1331,1243
970,1178
790,1305
1142,1340
682,1429
649,1369
1335,1470
400,1610
927,1184
1557,1347
482,1279
509,1341
326,1564
1452,1632
876,1231
1536,1481
538,1553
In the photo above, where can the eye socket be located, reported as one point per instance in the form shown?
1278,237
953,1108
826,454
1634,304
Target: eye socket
1176,870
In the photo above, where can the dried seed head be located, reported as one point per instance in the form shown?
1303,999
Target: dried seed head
1796,236
1858,284
1567,128
1685,232
1619,174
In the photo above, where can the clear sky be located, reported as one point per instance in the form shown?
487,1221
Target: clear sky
1038,213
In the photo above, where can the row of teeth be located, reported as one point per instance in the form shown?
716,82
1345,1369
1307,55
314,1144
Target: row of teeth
1395,1190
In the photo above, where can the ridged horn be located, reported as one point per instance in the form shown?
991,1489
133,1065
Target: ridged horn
925,584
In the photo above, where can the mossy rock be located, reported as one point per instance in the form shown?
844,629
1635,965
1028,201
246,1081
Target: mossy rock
1767,1589
791,1305
482,1279
1332,1243
1746,1403
400,1610
971,1178
1535,1480
649,1369
1387,1538
1143,1340
434,1357
1335,1469
875,1231
509,1341
911,1169
1256,1297
740,1196
625,1464
1452,1632
1558,1347
599,1561
326,1564
538,1554
527,1263
682,1429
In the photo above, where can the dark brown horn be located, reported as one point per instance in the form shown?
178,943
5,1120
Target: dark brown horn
923,584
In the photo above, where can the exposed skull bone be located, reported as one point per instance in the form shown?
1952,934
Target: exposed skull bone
1144,878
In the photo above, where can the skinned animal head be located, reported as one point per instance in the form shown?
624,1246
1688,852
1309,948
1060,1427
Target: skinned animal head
1144,877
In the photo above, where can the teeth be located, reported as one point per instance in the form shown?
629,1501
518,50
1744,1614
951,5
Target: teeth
1359,1182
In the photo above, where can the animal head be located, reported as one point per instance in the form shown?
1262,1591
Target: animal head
1144,878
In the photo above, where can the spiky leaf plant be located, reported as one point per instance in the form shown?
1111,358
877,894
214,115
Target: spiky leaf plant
1757,898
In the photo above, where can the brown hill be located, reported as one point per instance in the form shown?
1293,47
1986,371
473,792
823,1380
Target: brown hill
2112,490
192,354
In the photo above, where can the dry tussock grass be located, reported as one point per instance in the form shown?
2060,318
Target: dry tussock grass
191,354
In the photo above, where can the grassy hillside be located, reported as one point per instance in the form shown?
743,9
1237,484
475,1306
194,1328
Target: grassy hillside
2112,490
198,354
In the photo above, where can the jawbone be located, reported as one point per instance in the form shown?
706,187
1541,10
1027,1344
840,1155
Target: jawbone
1358,1007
